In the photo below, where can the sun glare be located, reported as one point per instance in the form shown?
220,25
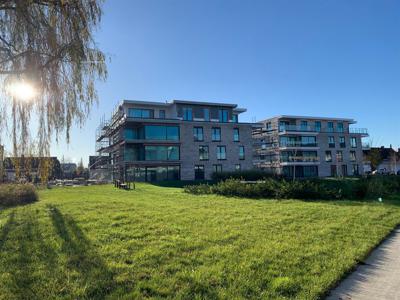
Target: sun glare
22,90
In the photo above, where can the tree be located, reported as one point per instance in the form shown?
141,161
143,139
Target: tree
375,158
80,169
47,52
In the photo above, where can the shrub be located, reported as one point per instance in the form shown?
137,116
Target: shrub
249,175
17,194
198,189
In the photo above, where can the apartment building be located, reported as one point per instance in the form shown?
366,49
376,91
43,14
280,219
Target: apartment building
296,146
187,140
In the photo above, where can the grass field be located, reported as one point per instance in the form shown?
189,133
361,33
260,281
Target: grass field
155,242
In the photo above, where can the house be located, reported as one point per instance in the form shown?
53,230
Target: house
388,160
299,146
177,140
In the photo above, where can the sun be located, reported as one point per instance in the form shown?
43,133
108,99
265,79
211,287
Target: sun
22,90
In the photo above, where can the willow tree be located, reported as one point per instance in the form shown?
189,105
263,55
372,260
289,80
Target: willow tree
47,52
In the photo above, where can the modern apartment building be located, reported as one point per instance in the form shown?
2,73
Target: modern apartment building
152,141
296,146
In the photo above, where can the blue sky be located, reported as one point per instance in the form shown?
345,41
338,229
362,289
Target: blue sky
324,58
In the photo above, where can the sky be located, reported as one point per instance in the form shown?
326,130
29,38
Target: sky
331,58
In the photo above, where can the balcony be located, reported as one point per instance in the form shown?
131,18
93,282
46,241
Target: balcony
299,160
297,129
297,145
362,131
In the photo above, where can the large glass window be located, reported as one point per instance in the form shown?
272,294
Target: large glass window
236,134
203,152
339,156
216,134
241,152
140,113
161,114
303,125
317,126
206,113
221,152
330,127
217,168
328,156
199,172
134,133
340,127
353,155
353,142
187,114
160,132
331,141
162,152
342,142
308,141
355,170
235,118
223,115
198,134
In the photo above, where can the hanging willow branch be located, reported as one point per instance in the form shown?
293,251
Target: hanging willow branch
49,44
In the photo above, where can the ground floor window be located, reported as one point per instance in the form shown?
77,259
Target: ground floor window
356,171
154,173
301,171
344,170
333,171
217,168
199,172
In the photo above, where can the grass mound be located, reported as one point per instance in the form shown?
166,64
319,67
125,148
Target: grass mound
17,194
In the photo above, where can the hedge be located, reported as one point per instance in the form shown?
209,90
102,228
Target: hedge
17,194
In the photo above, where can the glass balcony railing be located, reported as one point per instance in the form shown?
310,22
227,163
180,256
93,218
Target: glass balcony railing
297,144
297,128
359,131
300,159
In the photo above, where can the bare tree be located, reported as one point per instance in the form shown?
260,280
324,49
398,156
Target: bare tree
47,52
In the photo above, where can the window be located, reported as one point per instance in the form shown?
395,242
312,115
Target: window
317,126
203,152
309,141
198,134
355,170
235,118
221,152
160,132
161,152
353,156
268,126
331,141
217,168
340,127
303,125
223,115
342,142
161,114
241,152
353,142
236,134
238,167
339,156
330,127
344,170
140,113
333,171
328,156
206,113
199,172
187,114
216,134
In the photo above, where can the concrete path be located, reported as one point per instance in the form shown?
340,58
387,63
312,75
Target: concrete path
378,278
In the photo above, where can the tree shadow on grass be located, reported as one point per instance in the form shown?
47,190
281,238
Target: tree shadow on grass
82,257
6,229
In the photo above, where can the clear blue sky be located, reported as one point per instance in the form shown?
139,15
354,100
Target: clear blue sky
323,58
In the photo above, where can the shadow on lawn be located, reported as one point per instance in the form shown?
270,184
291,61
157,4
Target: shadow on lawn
81,256
34,266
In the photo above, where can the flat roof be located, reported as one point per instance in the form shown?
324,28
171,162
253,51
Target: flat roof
352,121
204,103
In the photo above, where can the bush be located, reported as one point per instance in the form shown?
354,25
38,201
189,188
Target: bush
322,189
248,175
17,194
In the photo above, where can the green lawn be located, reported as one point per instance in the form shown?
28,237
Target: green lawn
155,242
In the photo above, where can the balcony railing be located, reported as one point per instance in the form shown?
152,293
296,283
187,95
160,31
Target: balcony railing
297,144
300,159
359,131
297,128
